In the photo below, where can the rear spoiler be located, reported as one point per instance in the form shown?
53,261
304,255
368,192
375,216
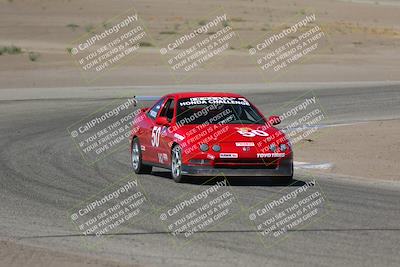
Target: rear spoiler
145,98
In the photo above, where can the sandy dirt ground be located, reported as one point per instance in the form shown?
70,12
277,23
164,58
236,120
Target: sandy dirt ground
362,40
14,254
367,150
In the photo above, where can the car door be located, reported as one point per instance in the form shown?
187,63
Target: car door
161,134
147,135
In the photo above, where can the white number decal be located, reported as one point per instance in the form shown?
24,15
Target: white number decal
260,133
155,136
253,133
246,133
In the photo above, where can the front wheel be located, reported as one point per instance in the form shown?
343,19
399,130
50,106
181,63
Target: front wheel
176,164
136,159
288,179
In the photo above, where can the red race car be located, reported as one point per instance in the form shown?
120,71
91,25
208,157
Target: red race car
205,134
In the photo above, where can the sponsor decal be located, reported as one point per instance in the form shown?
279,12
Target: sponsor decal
228,155
153,113
215,100
244,143
209,156
162,157
270,155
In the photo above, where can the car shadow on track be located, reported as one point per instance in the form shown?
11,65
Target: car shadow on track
235,180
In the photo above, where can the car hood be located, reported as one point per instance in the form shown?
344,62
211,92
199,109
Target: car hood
228,133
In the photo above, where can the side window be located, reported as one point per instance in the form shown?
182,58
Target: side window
168,110
152,113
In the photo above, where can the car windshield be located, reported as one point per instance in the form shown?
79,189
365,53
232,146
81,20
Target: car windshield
217,110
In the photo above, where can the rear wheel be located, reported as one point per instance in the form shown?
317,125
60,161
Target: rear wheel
136,159
176,164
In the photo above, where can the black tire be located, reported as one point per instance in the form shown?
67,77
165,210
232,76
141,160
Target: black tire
176,164
136,159
288,179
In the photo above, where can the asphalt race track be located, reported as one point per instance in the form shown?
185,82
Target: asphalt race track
43,176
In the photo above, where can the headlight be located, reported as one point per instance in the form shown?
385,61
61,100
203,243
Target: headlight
204,147
216,148
272,147
283,147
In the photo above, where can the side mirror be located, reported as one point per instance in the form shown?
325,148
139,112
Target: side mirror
162,121
274,120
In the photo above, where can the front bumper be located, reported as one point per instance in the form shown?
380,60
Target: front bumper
285,168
